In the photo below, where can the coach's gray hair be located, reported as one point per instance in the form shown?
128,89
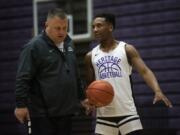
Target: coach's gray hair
56,12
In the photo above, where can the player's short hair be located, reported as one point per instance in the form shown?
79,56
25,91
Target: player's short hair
110,18
56,12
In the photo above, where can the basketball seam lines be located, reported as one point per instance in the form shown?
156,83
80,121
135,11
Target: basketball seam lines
102,90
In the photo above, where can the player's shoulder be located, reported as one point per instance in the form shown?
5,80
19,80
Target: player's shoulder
87,57
131,51
130,48
89,53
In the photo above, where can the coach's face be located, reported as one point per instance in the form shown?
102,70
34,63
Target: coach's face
102,29
56,29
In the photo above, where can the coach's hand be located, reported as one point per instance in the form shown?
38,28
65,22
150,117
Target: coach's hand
22,114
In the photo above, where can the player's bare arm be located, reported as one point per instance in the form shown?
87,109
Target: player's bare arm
89,74
138,64
89,71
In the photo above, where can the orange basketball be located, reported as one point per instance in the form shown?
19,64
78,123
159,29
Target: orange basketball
100,93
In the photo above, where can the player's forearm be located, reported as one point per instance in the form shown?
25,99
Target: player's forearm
89,79
151,81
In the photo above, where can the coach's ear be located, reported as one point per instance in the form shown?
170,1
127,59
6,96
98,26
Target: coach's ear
46,24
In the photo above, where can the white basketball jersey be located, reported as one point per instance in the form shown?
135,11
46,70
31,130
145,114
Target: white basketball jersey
114,68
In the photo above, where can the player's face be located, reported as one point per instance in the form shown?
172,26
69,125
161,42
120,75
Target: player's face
56,29
101,28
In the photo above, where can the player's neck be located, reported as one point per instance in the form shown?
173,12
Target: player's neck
108,45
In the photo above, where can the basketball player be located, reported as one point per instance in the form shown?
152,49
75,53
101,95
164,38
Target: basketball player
113,61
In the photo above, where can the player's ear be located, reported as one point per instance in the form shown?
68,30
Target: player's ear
111,28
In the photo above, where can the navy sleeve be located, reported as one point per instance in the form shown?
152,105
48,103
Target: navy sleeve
25,73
